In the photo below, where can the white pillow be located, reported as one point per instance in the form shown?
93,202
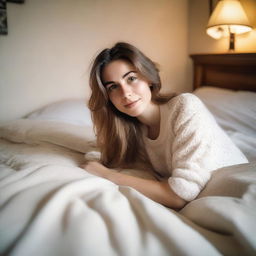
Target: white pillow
73,111
233,110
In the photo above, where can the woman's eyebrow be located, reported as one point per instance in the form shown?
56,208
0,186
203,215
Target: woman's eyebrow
126,74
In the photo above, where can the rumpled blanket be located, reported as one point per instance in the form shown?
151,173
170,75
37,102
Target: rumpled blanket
50,206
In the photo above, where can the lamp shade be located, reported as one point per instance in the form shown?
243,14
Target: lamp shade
228,17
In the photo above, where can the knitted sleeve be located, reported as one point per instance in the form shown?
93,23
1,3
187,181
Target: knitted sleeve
192,147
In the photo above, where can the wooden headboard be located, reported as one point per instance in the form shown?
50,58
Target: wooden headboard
236,71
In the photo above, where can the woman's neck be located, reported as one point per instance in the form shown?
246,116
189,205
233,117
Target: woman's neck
151,119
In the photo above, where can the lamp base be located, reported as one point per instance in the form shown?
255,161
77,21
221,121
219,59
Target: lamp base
232,42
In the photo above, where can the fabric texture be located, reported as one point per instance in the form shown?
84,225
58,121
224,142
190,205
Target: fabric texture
50,206
235,112
73,111
35,132
190,145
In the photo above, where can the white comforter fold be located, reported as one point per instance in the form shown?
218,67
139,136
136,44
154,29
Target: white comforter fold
50,206
75,137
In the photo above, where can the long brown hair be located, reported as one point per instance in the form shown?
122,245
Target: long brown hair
119,135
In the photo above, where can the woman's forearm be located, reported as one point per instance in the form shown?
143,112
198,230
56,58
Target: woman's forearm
155,190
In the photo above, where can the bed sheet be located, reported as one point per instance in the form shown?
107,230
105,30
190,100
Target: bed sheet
235,112
50,206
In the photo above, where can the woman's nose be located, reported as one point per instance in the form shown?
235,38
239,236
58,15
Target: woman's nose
126,91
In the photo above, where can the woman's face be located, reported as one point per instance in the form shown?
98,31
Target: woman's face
128,90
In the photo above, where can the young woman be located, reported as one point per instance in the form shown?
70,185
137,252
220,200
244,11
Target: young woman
177,134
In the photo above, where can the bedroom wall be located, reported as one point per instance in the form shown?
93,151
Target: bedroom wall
50,44
200,42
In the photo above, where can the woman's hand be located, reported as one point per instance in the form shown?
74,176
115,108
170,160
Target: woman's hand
157,191
97,169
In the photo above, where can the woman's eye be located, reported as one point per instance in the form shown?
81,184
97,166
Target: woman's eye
111,87
132,78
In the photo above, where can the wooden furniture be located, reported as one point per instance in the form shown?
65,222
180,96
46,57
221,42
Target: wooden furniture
235,71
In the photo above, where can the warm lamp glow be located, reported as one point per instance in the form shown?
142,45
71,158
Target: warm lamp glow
228,18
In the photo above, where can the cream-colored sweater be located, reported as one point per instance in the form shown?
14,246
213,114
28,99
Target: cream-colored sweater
190,145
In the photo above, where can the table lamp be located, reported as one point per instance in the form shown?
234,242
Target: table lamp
227,19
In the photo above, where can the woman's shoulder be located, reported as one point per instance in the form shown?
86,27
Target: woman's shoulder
185,101
187,106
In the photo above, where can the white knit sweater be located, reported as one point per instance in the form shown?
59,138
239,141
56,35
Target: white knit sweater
190,145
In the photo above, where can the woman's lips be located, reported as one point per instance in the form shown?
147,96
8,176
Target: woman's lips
132,104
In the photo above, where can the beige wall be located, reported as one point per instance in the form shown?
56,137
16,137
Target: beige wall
50,44
200,42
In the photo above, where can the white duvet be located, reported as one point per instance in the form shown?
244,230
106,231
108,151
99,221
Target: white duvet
50,206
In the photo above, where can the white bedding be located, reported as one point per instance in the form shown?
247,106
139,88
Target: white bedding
50,206
235,111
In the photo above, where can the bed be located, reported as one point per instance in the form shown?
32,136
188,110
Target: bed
50,206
